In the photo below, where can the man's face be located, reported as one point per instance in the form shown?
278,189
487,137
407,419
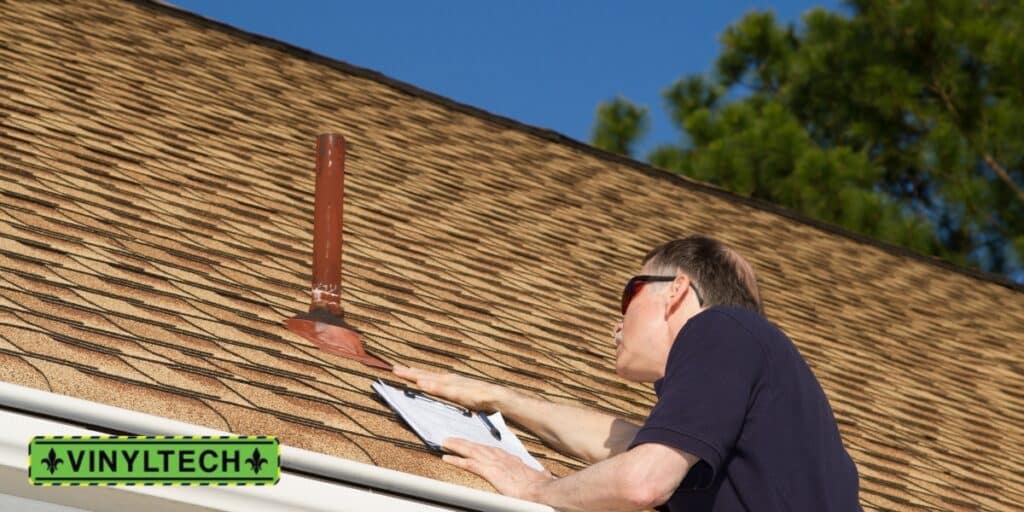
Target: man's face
640,335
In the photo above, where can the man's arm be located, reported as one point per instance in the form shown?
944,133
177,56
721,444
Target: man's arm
590,435
641,478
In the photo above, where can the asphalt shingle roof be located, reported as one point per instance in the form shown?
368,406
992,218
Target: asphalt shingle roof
155,231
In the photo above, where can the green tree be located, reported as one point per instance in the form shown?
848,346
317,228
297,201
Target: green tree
619,124
903,120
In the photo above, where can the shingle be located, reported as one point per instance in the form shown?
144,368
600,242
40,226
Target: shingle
18,370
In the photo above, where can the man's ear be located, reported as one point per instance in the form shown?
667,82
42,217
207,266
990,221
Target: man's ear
675,294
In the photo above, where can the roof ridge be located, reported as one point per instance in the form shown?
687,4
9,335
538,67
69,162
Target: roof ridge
553,136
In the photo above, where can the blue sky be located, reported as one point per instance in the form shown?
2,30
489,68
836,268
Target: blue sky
547,63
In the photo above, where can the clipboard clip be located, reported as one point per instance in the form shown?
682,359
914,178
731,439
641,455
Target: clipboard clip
416,395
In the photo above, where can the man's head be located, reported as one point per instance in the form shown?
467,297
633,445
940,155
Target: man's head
704,273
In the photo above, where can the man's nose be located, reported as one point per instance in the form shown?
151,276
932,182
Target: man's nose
618,329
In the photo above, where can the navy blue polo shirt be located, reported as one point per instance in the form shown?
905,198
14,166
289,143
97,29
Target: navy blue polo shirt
738,394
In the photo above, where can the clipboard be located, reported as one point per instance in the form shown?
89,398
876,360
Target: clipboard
433,421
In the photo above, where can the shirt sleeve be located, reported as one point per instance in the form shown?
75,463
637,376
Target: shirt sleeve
712,371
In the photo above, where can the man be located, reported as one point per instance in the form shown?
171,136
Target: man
741,423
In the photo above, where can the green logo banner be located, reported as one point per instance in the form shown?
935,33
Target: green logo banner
154,460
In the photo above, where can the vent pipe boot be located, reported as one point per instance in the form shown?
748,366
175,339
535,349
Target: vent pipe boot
323,324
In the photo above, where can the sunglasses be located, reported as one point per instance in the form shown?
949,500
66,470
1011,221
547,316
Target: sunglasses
634,285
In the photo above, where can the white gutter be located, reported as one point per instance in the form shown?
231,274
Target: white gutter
293,492
342,470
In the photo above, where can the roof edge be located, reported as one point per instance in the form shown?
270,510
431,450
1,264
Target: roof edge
560,138
292,492
98,416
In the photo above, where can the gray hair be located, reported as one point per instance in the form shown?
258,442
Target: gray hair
721,276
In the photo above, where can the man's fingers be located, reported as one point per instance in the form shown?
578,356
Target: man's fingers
464,448
456,445
417,376
408,372
457,461
473,450
428,381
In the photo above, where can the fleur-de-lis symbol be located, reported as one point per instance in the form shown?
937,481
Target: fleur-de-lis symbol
52,461
256,460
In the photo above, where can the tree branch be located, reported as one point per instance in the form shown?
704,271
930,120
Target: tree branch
987,157
1003,175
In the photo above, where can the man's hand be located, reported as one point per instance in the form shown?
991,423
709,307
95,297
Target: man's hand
470,393
585,433
506,472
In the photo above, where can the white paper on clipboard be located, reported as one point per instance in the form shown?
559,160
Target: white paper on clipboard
436,421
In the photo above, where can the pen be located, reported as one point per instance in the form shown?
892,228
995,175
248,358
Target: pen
490,426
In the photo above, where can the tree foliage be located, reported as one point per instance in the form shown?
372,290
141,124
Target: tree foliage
619,124
902,120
